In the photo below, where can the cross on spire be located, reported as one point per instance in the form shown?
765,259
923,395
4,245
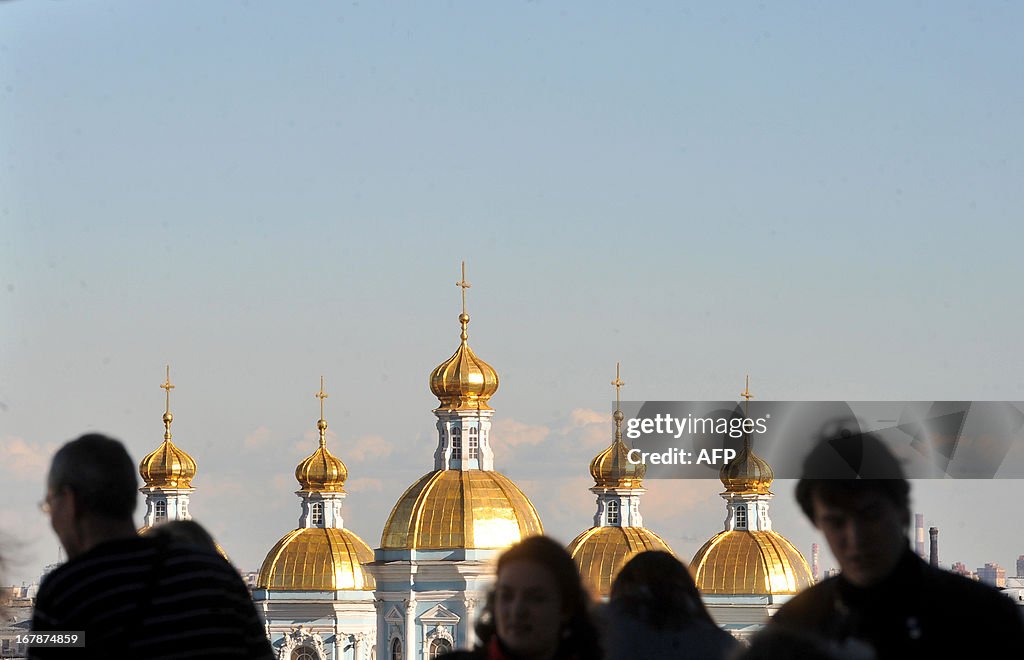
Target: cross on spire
463,284
746,390
321,395
167,387
618,383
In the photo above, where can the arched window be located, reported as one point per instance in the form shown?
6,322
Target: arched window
303,653
184,510
396,649
613,513
457,443
317,513
160,510
473,445
741,516
439,647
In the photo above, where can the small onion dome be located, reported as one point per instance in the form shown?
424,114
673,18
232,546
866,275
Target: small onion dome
750,562
747,473
317,559
612,469
455,509
464,381
601,552
167,466
322,470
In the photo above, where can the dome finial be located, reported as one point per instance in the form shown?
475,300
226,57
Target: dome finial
168,417
611,468
322,471
321,423
464,317
463,381
747,472
167,466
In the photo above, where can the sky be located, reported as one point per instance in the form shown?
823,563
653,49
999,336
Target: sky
826,197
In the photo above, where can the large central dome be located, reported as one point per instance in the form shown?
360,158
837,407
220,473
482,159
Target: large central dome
456,509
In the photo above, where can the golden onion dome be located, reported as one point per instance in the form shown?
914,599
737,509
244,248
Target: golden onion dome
612,469
601,552
747,473
450,509
322,470
464,381
750,562
317,559
167,466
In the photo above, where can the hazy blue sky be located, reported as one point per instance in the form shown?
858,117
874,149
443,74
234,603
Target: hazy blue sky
825,196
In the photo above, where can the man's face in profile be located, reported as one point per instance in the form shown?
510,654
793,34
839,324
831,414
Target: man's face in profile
866,532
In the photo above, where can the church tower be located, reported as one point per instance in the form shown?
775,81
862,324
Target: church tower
748,570
312,590
436,553
167,473
618,532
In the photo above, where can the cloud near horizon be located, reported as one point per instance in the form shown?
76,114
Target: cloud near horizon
21,460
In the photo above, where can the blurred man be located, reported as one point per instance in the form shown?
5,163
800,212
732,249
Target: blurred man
134,597
886,600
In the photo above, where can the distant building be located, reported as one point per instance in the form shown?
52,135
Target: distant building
993,574
960,568
14,621
1020,566
1015,591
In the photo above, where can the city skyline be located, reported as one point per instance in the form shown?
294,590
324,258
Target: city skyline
825,198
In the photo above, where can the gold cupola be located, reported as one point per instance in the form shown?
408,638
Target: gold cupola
321,555
168,466
748,557
618,532
322,470
611,468
464,381
747,472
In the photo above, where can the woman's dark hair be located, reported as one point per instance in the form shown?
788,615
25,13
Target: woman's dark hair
656,588
579,637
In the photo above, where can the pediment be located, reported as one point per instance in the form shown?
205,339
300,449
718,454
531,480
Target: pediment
439,614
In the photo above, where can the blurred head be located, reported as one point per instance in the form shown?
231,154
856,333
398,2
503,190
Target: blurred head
185,532
92,479
657,588
854,491
538,605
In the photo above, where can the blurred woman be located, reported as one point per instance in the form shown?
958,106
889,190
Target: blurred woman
655,611
537,609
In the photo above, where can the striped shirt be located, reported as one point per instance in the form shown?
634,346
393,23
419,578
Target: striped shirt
144,599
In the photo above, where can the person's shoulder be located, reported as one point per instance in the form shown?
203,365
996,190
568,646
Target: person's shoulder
117,552
811,604
475,654
943,585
